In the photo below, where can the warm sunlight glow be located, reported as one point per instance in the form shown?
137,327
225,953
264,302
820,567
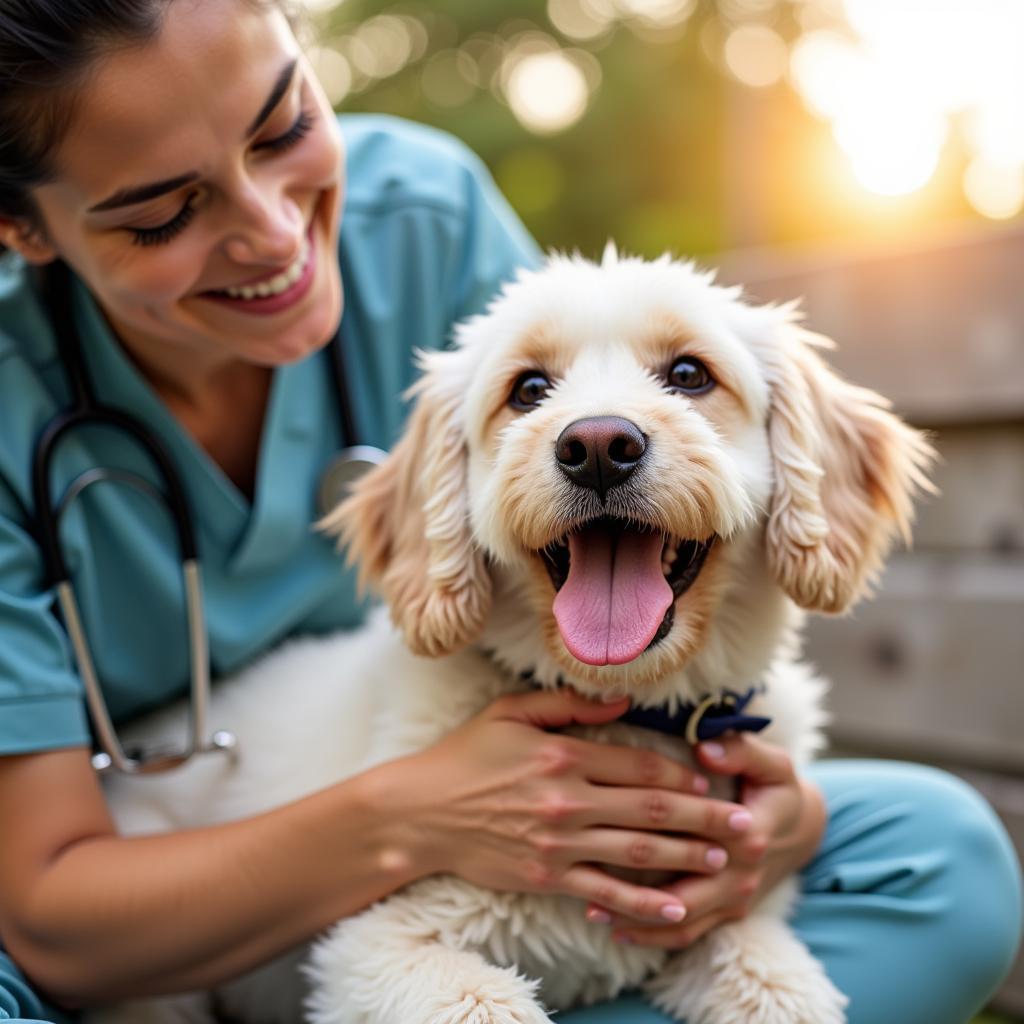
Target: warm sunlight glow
995,190
909,72
827,69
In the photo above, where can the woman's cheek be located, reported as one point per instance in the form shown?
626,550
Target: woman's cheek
143,275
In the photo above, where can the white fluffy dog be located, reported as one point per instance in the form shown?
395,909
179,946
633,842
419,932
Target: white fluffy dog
623,479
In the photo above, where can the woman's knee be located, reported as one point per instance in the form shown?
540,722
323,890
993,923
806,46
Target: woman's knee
984,870
928,838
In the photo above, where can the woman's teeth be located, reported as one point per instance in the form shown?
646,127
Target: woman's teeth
275,285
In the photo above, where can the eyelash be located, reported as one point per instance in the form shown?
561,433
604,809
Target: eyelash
298,131
165,232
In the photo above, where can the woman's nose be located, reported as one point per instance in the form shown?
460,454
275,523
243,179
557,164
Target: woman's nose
268,230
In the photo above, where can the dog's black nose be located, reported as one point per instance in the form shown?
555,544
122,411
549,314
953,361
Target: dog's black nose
600,451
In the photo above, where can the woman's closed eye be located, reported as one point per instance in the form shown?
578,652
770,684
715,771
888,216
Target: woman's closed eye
163,233
169,229
298,131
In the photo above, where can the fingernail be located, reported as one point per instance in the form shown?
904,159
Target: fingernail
713,750
739,821
701,785
716,858
622,938
612,698
673,911
598,916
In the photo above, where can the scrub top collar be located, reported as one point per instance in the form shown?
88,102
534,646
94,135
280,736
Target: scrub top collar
295,405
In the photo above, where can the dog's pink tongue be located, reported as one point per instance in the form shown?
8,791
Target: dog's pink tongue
612,604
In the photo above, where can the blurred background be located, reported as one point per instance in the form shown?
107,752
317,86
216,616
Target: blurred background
867,155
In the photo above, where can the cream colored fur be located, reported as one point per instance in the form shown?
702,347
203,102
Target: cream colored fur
803,478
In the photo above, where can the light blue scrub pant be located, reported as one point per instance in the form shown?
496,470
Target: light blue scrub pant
913,903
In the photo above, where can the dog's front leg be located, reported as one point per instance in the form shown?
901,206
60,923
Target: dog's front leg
399,963
754,971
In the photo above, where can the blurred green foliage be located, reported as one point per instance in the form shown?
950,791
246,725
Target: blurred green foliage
671,154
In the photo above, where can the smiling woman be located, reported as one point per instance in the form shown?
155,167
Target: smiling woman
253,196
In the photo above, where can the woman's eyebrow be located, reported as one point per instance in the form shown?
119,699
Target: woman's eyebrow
142,193
284,79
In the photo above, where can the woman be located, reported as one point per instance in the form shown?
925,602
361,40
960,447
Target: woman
180,158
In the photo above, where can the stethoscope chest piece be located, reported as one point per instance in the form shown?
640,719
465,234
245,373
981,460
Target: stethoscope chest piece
343,471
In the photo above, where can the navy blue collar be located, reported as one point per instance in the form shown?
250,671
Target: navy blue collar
707,719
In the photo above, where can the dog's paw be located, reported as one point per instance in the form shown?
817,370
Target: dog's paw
406,983
501,998
752,972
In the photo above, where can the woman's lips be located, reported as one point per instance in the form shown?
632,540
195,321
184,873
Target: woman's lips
265,305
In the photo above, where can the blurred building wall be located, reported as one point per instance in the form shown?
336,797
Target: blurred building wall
932,669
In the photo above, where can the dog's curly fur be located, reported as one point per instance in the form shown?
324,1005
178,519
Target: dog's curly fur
802,479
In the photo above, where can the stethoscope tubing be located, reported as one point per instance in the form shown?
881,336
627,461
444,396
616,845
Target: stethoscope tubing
87,410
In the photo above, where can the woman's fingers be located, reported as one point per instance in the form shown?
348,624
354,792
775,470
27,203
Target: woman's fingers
555,709
649,851
671,936
665,811
726,895
610,765
636,902
746,755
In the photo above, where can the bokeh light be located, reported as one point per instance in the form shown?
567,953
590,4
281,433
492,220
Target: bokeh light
920,96
579,20
547,90
333,71
994,189
756,55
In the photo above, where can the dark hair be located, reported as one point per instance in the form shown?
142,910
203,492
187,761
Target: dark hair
46,48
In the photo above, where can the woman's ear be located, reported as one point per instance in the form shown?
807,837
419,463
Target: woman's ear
30,243
845,474
406,526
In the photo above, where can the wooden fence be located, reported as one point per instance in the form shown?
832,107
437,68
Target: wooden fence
932,669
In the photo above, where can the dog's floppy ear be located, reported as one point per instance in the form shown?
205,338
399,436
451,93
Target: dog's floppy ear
845,474
406,527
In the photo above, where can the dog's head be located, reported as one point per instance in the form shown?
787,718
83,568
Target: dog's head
637,459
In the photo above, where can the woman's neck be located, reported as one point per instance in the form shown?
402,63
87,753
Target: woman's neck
220,401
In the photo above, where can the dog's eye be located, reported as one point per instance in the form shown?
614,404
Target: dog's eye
528,390
690,375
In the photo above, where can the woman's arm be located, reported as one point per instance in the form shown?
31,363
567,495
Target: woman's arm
93,917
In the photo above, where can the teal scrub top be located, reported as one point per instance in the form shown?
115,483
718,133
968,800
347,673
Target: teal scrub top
426,240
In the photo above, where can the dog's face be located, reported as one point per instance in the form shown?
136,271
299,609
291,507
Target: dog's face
628,447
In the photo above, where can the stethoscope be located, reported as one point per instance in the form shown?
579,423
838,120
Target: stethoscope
85,409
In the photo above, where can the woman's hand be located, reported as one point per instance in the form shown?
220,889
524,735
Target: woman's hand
508,806
787,822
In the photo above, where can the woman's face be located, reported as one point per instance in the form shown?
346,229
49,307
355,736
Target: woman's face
199,189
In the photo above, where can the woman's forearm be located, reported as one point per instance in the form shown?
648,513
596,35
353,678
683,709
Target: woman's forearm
113,917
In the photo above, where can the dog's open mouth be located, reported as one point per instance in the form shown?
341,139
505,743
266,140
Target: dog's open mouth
616,586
